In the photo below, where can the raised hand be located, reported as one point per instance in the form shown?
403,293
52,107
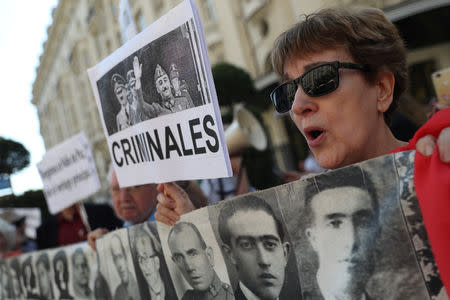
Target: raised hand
137,72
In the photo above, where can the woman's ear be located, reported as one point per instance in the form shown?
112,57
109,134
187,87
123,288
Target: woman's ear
385,82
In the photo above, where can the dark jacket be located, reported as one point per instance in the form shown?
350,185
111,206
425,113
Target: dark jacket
99,215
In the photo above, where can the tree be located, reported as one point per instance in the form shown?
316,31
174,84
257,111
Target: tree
234,85
13,157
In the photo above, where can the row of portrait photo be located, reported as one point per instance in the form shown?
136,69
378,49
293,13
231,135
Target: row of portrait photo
362,222
287,242
60,273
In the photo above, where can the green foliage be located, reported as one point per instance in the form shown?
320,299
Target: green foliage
233,84
13,157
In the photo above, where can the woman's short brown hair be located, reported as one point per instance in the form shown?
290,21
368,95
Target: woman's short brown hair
365,33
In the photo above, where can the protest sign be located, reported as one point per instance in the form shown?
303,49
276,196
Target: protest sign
158,104
351,233
68,173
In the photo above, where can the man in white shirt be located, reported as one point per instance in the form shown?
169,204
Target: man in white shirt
253,240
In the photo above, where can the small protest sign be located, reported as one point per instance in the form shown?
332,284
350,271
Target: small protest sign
68,173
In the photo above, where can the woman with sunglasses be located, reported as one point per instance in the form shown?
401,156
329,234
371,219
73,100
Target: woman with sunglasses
343,73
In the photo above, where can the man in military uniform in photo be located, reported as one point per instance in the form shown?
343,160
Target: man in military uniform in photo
139,109
164,89
180,87
195,260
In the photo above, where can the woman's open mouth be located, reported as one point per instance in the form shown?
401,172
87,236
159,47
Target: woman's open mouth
314,136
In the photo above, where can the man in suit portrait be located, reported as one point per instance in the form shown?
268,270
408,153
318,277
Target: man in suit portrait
44,276
343,228
195,260
14,271
128,288
254,241
119,86
61,273
81,274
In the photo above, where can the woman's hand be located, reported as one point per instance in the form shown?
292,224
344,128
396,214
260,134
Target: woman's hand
173,202
426,145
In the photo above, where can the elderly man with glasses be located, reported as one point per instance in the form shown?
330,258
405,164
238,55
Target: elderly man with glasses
137,204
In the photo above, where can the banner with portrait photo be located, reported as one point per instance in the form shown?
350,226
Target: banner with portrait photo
158,104
355,233
351,233
61,273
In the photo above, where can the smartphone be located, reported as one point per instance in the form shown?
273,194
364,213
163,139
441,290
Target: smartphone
441,82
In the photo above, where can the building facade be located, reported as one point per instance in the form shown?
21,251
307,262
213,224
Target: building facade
240,32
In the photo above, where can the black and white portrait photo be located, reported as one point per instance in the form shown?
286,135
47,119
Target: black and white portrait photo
163,77
194,259
6,290
350,239
44,275
81,274
15,277
116,266
61,275
29,279
256,244
152,274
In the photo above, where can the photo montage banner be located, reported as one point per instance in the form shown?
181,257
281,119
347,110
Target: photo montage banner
353,233
158,104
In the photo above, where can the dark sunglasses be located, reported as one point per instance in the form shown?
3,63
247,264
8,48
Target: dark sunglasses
316,82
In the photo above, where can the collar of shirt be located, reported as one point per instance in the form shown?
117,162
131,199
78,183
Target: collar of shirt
150,219
247,293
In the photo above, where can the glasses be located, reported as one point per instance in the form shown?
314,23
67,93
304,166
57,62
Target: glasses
145,259
132,190
316,82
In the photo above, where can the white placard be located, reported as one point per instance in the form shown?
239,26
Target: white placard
158,104
68,173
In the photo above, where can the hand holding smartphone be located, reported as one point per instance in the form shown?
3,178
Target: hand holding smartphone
441,82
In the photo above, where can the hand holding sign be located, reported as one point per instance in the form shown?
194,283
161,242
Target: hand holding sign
173,202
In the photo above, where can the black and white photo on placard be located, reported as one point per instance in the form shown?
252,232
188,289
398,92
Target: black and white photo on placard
44,275
256,247
29,280
152,274
6,289
194,259
81,273
117,265
15,273
350,238
61,273
163,77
